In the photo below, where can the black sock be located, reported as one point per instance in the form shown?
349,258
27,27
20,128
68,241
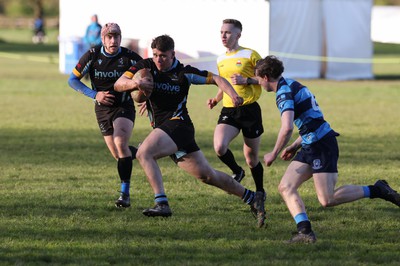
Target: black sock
374,192
161,199
258,176
304,227
133,151
229,160
125,169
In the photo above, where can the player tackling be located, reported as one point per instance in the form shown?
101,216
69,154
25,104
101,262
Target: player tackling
318,154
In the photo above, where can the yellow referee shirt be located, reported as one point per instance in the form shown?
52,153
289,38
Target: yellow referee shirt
243,62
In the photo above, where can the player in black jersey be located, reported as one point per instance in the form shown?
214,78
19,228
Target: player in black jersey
115,111
173,133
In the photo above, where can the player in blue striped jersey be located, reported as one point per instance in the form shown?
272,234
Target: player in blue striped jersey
318,155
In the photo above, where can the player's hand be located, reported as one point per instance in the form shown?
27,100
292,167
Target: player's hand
269,158
237,101
211,103
237,79
142,108
105,98
288,153
146,86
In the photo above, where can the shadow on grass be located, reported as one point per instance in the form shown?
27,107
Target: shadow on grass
387,77
84,146
11,47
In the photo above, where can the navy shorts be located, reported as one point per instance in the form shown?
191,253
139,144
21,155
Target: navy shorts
322,156
106,115
247,118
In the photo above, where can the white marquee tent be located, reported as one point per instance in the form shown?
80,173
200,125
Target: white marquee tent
314,38
328,38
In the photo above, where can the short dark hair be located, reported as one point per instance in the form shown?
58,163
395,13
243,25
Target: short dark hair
235,23
163,43
270,66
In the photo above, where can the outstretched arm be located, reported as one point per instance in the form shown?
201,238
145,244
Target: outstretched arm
284,135
226,87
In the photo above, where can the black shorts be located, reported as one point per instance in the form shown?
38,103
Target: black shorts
247,118
106,115
322,156
182,133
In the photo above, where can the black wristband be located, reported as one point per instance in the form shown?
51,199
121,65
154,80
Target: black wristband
248,81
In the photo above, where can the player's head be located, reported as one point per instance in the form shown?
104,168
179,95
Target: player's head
163,48
236,23
94,18
270,67
267,70
231,31
111,37
163,43
110,28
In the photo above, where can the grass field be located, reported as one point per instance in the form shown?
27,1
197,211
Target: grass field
58,182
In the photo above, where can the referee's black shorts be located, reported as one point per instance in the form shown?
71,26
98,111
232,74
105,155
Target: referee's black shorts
247,118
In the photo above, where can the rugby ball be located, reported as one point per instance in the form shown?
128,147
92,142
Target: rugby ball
139,95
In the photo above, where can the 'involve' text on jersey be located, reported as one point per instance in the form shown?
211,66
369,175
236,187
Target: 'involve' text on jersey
167,87
109,74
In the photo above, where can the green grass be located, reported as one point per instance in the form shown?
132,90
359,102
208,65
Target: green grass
58,182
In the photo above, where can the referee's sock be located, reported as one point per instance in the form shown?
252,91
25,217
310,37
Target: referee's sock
230,161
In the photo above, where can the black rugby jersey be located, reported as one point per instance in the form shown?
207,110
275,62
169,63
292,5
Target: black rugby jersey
105,69
169,97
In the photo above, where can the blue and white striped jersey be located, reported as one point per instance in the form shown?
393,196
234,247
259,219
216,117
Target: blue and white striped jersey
308,117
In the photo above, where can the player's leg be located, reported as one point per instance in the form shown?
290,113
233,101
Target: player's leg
328,196
296,174
109,140
223,135
250,150
197,165
156,145
122,131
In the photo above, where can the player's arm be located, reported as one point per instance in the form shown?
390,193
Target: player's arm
214,101
75,82
237,79
226,87
284,135
100,98
290,151
126,83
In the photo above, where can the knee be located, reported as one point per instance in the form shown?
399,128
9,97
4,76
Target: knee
139,156
204,179
252,161
220,149
284,188
326,202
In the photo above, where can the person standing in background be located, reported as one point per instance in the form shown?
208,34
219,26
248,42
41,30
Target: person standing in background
93,33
